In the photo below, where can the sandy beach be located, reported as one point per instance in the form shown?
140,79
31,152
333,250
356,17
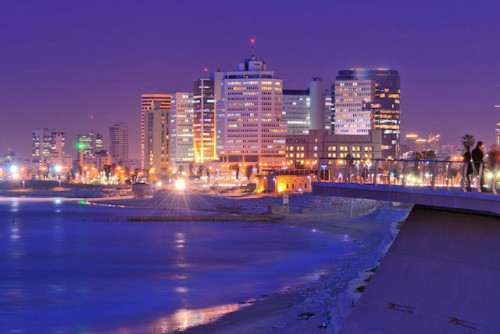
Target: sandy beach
364,226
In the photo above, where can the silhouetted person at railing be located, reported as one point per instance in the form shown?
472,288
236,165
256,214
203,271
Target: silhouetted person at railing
468,170
477,158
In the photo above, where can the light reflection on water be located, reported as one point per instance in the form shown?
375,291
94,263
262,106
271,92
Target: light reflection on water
97,275
184,318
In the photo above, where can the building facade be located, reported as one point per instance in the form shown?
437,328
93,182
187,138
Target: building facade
181,128
366,99
307,109
204,120
157,140
163,102
118,143
48,146
91,143
249,126
304,151
296,111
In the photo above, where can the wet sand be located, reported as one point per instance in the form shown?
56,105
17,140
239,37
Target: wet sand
302,309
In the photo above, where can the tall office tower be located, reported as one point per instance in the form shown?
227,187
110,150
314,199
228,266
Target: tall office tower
118,142
48,145
302,108
366,99
92,143
204,120
147,101
296,111
250,124
181,128
156,140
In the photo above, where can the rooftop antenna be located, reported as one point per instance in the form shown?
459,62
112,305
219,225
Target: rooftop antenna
92,123
205,71
252,40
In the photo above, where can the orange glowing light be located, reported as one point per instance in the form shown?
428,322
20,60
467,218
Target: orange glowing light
252,40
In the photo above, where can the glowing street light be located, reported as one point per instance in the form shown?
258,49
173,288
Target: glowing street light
180,185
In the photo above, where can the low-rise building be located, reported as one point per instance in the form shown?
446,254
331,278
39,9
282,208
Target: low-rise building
304,151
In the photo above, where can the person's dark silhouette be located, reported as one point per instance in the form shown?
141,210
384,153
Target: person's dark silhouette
477,158
467,159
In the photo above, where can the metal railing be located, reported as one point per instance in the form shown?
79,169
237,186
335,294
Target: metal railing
433,174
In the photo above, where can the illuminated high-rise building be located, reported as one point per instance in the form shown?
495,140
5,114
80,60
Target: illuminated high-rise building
91,144
48,146
308,109
118,142
147,101
181,127
157,140
297,111
205,93
366,99
250,125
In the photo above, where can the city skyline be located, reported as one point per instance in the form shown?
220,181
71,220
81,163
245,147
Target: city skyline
56,73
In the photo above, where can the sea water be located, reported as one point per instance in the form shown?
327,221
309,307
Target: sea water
69,267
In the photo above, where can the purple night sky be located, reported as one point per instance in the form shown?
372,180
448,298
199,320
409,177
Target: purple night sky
62,61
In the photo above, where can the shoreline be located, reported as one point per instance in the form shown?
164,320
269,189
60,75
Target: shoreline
365,227
302,308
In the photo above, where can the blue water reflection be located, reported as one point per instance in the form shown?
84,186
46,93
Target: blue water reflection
72,268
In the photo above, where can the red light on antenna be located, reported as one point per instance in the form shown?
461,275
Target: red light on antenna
252,40
91,117
206,69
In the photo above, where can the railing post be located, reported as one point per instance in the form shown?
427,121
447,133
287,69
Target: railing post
334,174
480,177
319,170
375,173
330,172
433,174
404,173
347,170
448,176
494,181
464,176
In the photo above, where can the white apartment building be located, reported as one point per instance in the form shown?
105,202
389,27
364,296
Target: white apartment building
296,111
309,109
350,116
48,146
181,127
250,128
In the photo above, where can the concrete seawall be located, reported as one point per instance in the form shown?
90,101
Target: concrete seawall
440,276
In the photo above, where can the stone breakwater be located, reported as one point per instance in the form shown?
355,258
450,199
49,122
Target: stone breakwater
300,203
